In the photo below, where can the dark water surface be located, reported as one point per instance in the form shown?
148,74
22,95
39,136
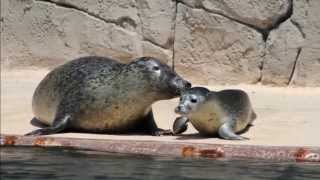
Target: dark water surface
40,163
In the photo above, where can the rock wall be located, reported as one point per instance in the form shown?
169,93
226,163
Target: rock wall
275,42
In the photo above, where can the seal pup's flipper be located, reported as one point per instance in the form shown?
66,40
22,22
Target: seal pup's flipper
226,132
59,124
180,125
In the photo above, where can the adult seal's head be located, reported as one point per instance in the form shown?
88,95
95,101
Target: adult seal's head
98,94
225,112
159,77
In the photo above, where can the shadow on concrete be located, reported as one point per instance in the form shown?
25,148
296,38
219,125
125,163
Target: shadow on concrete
193,136
199,136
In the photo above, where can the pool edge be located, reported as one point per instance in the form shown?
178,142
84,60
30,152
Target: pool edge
181,149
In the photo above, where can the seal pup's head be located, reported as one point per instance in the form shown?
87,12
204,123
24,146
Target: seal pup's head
191,100
160,77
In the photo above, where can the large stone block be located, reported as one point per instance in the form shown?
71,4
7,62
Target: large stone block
307,72
211,49
261,14
292,49
275,42
306,16
282,49
48,33
157,19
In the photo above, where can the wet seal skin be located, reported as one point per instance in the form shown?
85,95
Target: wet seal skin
102,95
224,113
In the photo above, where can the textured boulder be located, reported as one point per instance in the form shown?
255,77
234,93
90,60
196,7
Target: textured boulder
282,49
44,34
307,72
157,19
261,14
212,49
47,33
306,18
293,49
275,42
121,12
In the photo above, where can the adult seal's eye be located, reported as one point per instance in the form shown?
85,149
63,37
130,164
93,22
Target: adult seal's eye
155,68
194,100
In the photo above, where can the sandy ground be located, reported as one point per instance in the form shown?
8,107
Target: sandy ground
286,116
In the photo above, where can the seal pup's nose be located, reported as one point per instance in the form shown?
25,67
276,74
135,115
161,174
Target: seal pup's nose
181,109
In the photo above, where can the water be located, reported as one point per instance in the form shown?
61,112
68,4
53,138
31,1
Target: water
40,163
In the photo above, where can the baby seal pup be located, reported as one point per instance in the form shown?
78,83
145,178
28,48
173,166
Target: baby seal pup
224,112
101,95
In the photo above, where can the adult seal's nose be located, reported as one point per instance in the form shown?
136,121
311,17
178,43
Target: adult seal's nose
181,83
187,85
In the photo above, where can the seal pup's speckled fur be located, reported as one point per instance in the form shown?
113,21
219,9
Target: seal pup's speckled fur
222,113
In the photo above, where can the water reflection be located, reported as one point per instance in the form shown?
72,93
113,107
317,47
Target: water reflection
39,163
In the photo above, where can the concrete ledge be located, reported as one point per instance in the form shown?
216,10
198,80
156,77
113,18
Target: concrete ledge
195,150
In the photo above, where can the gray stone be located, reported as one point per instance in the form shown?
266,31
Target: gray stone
306,18
121,12
48,33
282,48
157,19
152,19
292,51
307,72
257,13
276,42
43,34
211,49
149,49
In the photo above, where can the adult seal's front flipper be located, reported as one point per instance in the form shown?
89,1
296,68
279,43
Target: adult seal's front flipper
180,125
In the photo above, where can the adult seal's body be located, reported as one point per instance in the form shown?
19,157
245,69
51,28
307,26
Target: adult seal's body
224,113
97,94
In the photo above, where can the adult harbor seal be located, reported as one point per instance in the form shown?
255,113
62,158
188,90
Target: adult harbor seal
222,113
101,95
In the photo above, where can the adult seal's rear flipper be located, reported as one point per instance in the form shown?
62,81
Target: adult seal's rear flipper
180,125
58,126
226,132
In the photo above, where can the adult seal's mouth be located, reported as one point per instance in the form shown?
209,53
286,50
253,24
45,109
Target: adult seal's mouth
180,85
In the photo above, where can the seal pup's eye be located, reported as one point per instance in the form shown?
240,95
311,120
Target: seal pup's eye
155,68
193,100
